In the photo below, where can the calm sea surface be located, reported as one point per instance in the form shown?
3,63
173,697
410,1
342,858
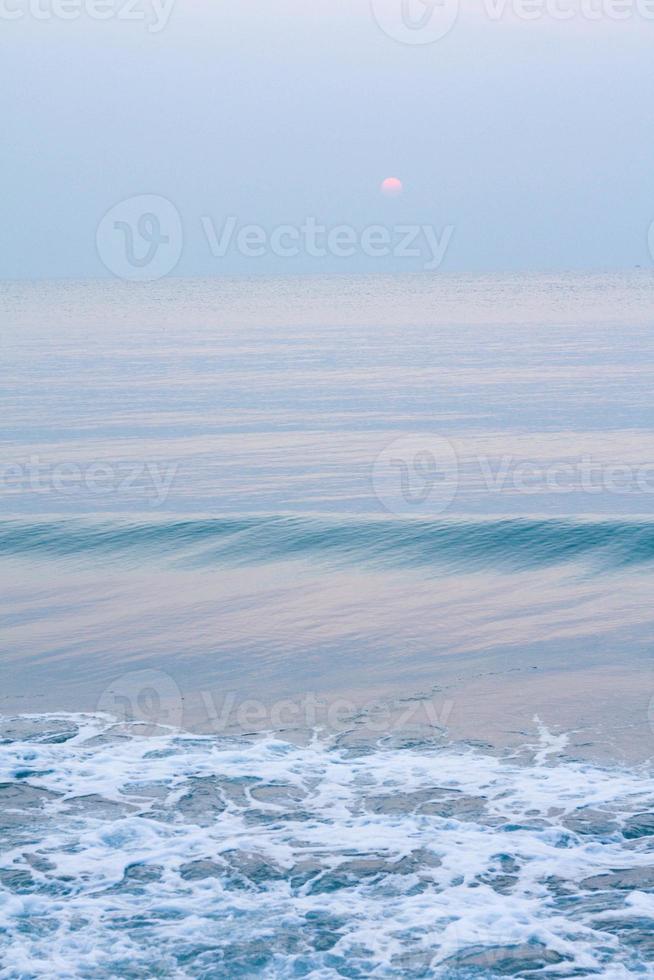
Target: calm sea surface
402,526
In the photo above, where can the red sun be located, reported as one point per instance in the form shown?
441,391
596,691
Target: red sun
391,187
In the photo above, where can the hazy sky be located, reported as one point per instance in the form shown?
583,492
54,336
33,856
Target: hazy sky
532,141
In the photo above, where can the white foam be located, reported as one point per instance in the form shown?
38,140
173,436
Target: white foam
488,862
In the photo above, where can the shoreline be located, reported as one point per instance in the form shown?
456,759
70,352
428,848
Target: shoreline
605,714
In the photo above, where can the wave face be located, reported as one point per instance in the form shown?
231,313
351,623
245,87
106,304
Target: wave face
177,855
512,544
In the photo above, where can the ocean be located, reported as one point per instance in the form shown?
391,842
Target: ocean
326,627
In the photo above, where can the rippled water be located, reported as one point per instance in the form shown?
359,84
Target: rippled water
384,546
499,544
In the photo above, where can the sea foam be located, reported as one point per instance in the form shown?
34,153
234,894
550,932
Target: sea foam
185,856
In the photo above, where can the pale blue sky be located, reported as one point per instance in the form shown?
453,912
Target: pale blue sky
534,141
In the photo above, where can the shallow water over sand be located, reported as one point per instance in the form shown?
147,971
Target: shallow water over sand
174,855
